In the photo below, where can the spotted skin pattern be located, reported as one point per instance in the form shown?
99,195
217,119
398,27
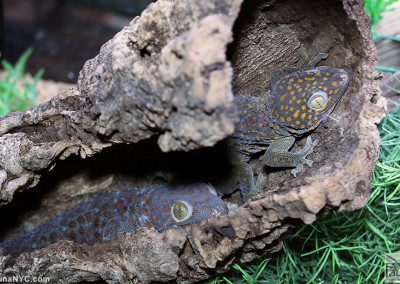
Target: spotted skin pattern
301,97
106,216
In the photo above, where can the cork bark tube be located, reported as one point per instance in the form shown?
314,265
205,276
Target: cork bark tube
163,88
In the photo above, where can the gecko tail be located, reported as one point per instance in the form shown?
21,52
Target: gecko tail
16,245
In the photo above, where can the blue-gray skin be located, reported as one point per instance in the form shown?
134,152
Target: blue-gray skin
106,216
301,97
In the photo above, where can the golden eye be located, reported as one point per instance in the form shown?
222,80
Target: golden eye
318,100
181,211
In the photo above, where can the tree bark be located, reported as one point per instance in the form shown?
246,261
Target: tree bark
165,83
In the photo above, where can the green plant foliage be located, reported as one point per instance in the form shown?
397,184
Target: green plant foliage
13,98
392,38
375,8
387,69
346,247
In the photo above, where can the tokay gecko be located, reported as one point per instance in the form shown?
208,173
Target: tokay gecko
301,97
108,215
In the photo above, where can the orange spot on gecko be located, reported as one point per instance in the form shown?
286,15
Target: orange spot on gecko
118,204
53,237
81,219
73,236
88,216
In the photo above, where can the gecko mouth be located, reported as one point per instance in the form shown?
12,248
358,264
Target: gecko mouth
331,106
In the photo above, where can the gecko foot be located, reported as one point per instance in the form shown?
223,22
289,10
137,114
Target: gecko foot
257,188
303,153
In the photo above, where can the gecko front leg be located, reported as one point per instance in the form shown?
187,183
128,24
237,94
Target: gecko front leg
278,155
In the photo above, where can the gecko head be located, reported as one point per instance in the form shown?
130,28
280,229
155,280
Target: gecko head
187,203
301,100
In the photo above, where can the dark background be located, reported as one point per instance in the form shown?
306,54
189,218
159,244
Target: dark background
63,33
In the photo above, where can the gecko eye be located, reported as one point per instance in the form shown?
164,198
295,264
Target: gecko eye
318,100
181,211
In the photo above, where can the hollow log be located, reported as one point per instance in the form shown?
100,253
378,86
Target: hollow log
160,96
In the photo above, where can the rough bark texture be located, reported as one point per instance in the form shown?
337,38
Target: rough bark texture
165,82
